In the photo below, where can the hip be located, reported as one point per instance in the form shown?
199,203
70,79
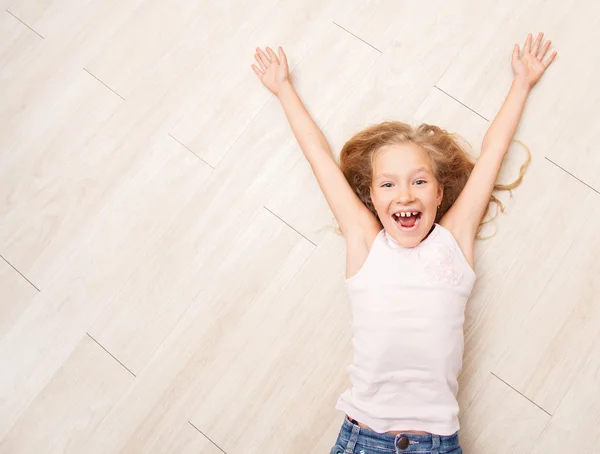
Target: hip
355,438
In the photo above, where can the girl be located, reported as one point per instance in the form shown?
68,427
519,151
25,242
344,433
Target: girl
409,203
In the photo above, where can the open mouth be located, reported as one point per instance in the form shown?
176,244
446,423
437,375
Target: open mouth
407,221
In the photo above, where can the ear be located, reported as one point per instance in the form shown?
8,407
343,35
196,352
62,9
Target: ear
440,193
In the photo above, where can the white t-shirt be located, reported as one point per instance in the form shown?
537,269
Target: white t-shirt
408,312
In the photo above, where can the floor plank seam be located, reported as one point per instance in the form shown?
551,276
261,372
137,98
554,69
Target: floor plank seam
204,435
462,104
595,190
289,226
358,37
11,265
110,354
188,149
24,24
516,390
104,84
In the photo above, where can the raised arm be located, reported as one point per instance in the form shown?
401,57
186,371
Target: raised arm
467,212
350,213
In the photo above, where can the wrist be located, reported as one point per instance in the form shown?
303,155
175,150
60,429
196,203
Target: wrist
286,87
521,84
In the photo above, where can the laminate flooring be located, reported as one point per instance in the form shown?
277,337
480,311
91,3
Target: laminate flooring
170,281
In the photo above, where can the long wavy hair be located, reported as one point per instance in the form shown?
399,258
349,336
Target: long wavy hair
452,165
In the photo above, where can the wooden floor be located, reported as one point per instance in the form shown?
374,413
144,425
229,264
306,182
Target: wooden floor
169,282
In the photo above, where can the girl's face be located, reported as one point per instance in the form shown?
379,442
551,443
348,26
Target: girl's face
403,181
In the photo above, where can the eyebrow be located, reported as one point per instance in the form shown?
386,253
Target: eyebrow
390,175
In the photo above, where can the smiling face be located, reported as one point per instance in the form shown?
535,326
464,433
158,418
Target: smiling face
403,181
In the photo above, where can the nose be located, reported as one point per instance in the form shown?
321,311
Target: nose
404,196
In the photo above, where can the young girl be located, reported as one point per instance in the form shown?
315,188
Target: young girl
409,203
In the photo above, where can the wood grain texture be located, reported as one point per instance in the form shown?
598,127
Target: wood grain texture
190,291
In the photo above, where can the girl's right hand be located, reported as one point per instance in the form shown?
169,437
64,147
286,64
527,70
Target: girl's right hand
273,72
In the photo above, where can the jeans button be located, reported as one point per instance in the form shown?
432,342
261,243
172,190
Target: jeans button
403,442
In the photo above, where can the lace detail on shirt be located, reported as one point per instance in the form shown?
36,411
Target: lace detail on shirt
439,263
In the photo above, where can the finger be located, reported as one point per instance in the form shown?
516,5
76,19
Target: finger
544,50
550,60
264,58
258,72
536,45
260,63
272,55
516,52
282,56
527,45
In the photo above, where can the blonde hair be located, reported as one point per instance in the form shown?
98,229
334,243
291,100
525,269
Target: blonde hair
451,164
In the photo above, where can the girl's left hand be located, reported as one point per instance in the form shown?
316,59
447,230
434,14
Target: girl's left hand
529,67
274,72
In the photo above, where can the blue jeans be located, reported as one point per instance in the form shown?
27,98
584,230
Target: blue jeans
354,439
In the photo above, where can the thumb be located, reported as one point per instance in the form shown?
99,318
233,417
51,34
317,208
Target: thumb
516,51
282,56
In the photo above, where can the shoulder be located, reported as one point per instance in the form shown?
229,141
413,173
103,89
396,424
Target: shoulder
359,243
364,231
464,238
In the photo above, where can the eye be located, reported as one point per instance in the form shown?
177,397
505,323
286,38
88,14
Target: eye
384,185
420,184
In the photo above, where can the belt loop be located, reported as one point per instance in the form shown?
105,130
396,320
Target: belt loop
353,439
435,444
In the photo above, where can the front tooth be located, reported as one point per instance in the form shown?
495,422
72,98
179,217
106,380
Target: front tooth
403,214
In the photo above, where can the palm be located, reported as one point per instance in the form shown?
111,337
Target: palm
530,66
273,72
274,76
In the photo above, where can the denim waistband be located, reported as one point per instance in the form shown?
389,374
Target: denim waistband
368,438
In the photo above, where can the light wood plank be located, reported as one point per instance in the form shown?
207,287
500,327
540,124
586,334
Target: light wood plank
403,77
54,18
516,267
558,335
245,290
17,42
30,93
85,282
17,45
572,103
574,425
382,22
71,405
216,120
16,294
501,420
576,148
481,74
153,30
46,178
186,439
